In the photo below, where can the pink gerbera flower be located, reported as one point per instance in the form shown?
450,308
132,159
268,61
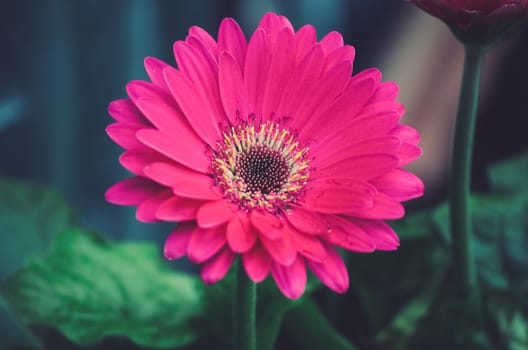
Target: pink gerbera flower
269,149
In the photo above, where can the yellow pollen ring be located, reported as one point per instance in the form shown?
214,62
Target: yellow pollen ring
268,140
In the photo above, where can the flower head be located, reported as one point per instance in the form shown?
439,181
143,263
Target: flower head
477,21
269,149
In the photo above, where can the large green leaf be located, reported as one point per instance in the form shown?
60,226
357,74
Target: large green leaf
90,289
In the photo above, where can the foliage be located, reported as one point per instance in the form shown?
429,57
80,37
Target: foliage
89,289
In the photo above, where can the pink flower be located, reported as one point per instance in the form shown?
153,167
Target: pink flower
477,20
269,149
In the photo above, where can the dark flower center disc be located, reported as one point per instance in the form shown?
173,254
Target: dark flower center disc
262,169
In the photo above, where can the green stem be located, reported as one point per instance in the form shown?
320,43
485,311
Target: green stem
245,305
460,177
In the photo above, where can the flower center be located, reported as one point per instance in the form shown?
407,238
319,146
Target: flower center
260,166
262,169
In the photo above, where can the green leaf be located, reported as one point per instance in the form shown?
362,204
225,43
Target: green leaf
452,323
510,175
384,282
90,289
402,327
30,216
501,238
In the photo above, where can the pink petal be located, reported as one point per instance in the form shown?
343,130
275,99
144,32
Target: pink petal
241,235
317,101
400,185
257,263
176,243
381,234
204,243
125,111
363,127
197,111
131,191
256,70
205,38
332,41
169,173
217,267
335,196
304,40
197,187
309,245
232,89
154,68
332,272
361,168
178,209
282,249
282,59
387,91
168,119
201,68
330,85
344,53
212,214
124,135
346,234
303,81
139,88
379,145
232,39
146,211
383,207
291,280
386,106
408,153
358,91
269,225
274,24
136,160
170,146
307,221
407,134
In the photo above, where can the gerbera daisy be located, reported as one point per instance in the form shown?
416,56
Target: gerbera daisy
269,149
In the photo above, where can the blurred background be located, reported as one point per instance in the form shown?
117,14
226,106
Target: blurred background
63,61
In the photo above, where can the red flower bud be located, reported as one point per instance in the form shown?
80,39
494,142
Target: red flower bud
477,21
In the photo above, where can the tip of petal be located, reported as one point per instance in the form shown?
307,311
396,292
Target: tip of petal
291,280
176,243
